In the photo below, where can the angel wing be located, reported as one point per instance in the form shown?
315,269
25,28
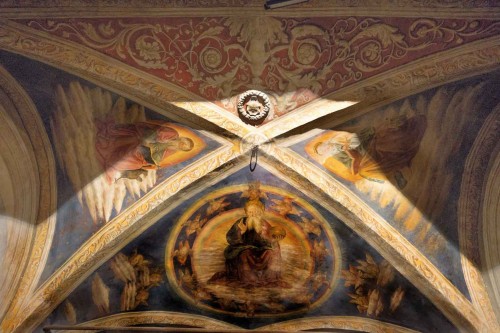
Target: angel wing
74,134
100,294
70,313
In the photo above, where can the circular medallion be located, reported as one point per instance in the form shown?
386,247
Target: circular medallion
211,59
253,139
223,257
307,53
253,107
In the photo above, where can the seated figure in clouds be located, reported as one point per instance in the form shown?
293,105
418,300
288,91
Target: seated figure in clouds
253,256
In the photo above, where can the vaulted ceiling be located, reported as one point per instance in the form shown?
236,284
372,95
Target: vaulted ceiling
377,164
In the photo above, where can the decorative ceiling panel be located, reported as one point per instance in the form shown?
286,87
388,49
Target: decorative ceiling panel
294,60
399,160
371,205
308,263
110,151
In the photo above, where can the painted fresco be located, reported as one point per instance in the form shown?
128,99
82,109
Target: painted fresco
406,160
249,260
293,259
377,154
110,151
144,221
294,60
372,283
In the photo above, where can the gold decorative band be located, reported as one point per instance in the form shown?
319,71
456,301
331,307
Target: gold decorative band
337,322
469,215
159,318
385,239
109,239
46,216
123,8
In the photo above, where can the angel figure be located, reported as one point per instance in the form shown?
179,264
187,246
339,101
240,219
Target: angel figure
108,148
310,226
216,206
129,150
183,252
194,225
137,277
375,153
284,207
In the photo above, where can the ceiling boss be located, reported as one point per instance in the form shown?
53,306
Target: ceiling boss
253,107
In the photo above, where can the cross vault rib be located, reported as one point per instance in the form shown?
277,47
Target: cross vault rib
387,240
105,243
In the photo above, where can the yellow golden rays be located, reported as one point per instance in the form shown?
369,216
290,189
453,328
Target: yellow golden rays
137,275
373,284
69,312
74,132
100,294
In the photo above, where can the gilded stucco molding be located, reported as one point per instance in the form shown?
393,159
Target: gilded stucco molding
452,65
304,115
117,8
470,213
491,237
387,240
44,226
150,91
157,318
109,239
337,322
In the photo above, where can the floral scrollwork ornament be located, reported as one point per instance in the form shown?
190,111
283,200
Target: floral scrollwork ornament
253,107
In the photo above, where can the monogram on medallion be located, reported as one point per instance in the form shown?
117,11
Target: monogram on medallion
253,107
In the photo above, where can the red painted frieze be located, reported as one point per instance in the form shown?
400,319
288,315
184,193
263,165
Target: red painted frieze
293,60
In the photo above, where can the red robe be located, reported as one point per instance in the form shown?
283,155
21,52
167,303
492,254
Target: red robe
119,147
252,259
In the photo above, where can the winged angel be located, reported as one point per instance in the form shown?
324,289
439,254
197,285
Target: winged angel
109,149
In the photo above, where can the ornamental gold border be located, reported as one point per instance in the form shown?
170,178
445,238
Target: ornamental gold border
309,323
491,243
472,59
157,317
168,99
387,8
337,322
19,161
385,239
110,239
470,212
304,115
46,216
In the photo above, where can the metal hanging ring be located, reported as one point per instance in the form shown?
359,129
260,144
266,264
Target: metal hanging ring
253,158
